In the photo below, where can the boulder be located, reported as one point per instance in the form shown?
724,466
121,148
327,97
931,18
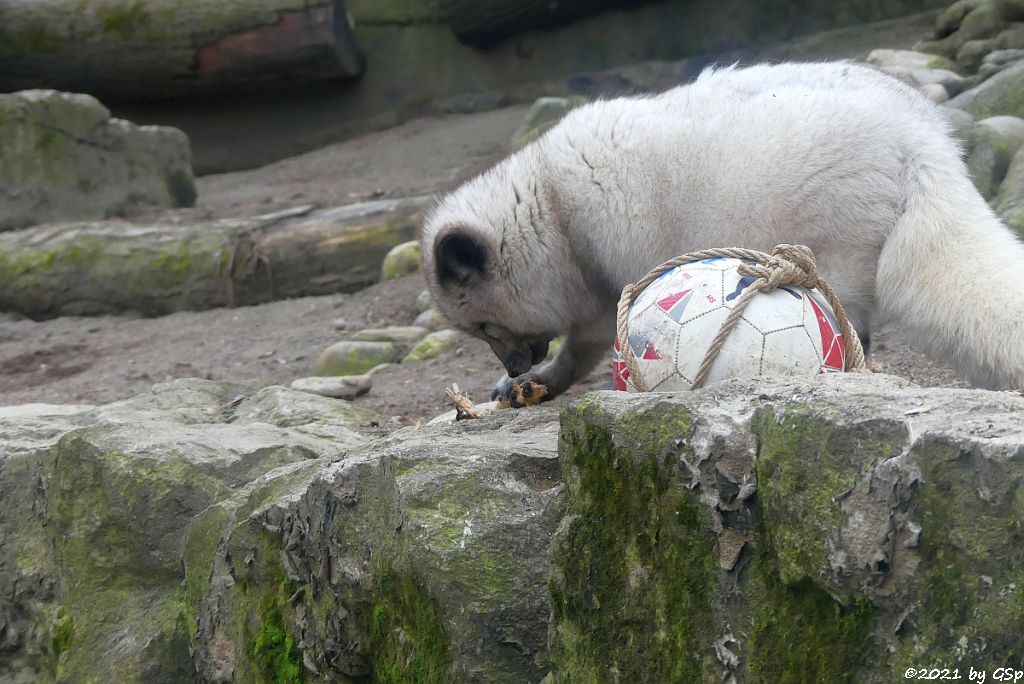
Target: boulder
1009,202
423,558
842,530
950,18
96,501
62,158
991,145
1003,93
1011,10
338,387
982,21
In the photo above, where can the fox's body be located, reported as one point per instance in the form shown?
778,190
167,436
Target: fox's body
839,157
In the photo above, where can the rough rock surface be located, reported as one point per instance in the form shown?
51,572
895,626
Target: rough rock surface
95,504
834,530
62,157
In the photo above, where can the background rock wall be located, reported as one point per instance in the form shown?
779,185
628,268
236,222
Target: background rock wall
416,64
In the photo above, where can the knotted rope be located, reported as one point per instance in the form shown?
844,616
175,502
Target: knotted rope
787,265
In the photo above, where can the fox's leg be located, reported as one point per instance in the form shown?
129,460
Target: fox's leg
583,349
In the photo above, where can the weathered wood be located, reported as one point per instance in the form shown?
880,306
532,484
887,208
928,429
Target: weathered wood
113,267
484,22
154,48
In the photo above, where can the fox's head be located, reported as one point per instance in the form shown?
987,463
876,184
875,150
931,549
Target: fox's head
499,266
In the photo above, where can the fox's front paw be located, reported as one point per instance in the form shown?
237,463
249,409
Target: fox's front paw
503,390
523,391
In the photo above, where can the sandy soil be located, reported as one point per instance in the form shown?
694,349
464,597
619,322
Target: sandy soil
92,360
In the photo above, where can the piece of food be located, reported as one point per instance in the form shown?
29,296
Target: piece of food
465,409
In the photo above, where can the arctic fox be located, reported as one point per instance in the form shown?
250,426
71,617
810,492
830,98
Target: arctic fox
837,156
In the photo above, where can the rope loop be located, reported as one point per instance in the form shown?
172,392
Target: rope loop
792,265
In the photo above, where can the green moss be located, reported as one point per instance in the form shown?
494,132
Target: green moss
805,466
124,20
408,644
63,633
799,632
635,566
273,648
265,618
965,538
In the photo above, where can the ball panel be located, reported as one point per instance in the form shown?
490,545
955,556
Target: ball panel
789,352
776,310
740,356
703,294
652,339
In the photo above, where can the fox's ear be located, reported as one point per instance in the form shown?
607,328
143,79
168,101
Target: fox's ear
460,256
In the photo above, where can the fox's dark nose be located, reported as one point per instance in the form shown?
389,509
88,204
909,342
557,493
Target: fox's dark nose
519,360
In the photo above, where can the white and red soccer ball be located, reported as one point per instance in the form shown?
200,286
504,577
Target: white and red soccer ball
790,331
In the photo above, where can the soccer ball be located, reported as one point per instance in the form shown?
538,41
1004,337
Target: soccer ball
790,331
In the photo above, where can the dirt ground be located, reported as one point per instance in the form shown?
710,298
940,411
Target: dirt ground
95,360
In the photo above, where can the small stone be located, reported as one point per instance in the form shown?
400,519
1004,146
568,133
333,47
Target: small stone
424,301
401,335
935,92
340,324
340,387
431,320
402,260
432,345
354,357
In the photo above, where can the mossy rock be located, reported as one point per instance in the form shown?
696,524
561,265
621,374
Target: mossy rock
991,144
434,344
354,357
759,533
402,260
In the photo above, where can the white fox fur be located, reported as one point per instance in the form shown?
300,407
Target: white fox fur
840,157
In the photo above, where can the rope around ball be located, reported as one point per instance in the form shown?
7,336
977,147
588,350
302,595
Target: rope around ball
787,265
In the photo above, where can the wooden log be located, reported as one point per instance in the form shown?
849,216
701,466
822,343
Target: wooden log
114,267
484,22
162,48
